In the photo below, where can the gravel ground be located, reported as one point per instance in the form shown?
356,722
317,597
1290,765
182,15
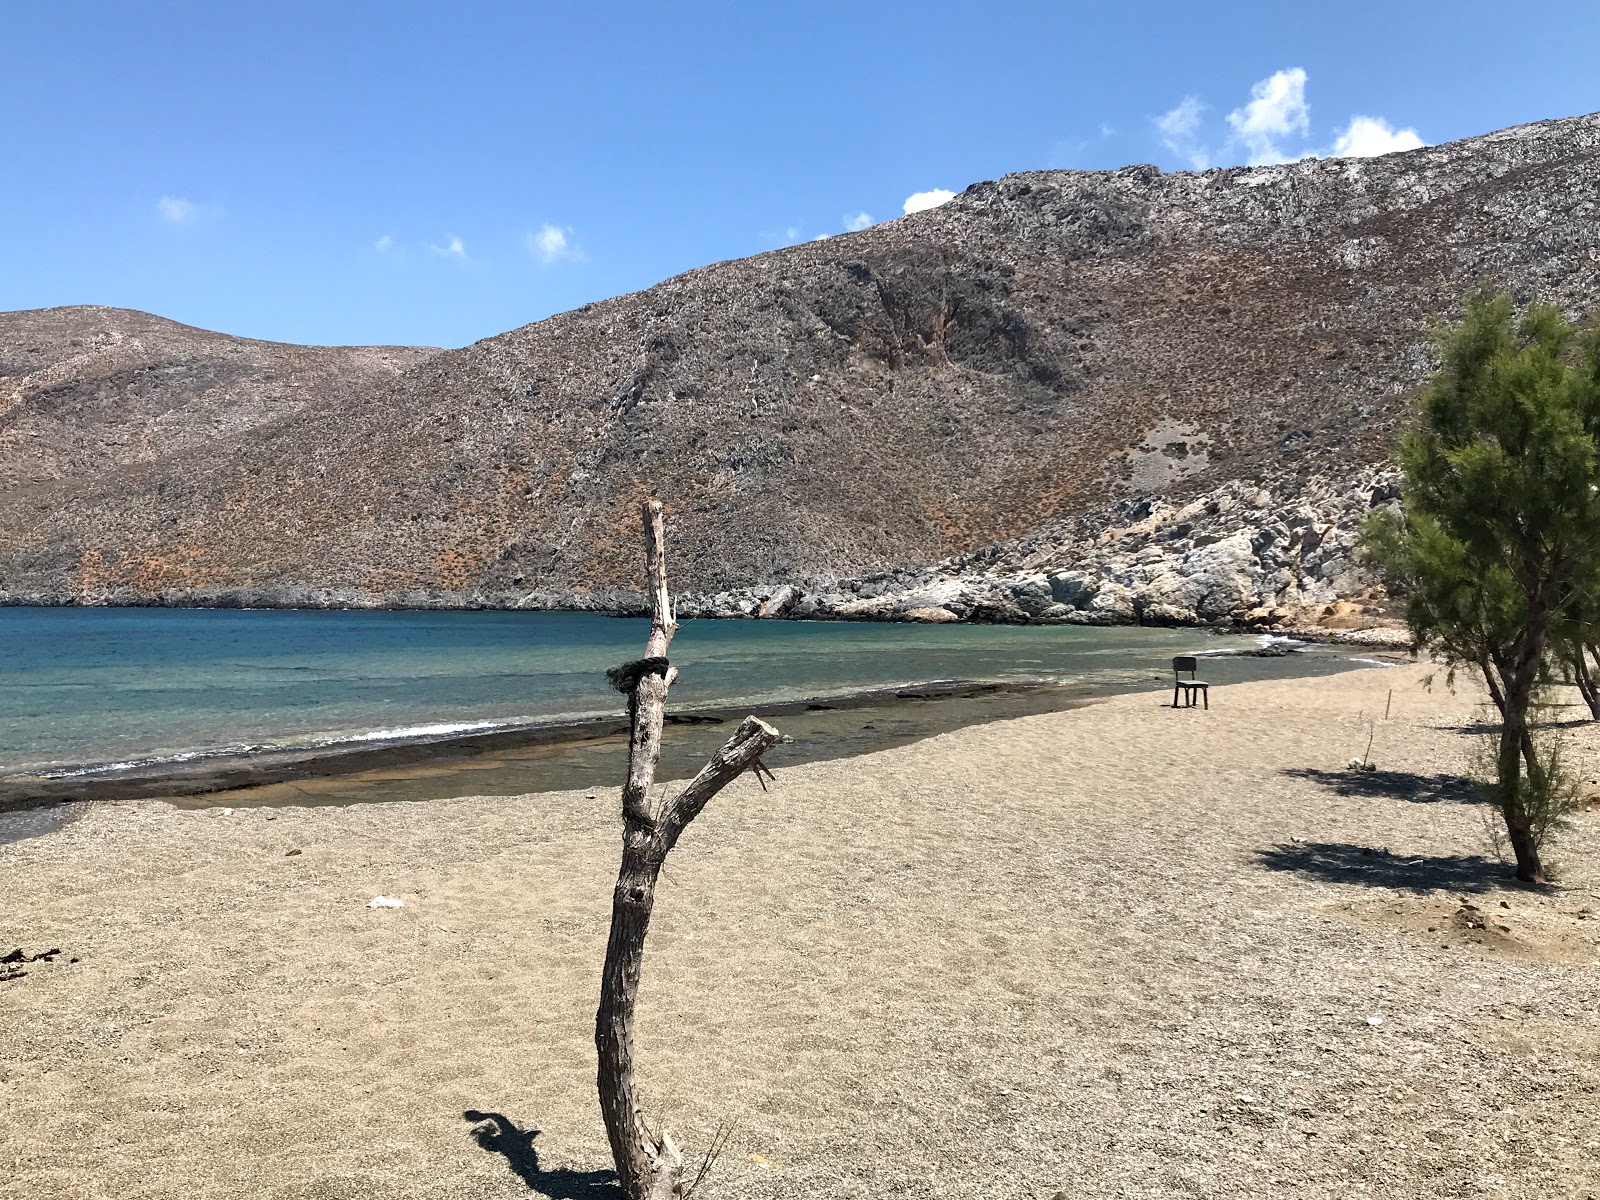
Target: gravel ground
1117,951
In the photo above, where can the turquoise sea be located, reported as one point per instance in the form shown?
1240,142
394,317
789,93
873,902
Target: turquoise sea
88,688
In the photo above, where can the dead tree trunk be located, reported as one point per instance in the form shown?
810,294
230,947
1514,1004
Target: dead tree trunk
650,1167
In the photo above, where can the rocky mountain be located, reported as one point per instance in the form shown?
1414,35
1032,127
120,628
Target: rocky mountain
85,390
1039,361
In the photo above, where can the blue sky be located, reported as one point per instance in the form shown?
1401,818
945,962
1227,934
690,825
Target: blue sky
433,173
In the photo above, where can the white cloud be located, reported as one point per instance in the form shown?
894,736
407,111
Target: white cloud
1107,129
178,211
1277,109
922,201
384,244
858,222
551,244
1368,137
1179,128
454,248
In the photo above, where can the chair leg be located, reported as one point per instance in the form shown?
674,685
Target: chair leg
1174,695
1205,696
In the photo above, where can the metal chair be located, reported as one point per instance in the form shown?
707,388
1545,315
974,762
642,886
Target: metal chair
1189,686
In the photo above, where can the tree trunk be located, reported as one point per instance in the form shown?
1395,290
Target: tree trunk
650,1167
1585,680
1495,692
1515,740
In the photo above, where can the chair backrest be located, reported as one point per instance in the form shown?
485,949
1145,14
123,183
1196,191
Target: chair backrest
1185,662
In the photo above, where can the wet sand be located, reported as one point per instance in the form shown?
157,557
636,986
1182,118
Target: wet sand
1112,951
565,754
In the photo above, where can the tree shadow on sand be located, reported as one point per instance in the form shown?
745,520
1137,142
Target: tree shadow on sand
498,1134
1342,862
1399,785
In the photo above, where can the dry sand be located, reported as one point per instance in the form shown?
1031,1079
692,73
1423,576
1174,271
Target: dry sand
1118,951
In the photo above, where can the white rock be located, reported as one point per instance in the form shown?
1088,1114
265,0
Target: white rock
385,902
1113,600
1225,571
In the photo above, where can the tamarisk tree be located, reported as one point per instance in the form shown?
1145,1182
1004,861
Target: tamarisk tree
1498,550
650,1165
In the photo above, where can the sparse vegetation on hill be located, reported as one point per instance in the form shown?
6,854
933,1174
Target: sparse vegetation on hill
85,391
1041,350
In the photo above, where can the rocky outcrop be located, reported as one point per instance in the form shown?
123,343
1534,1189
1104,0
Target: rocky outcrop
1238,555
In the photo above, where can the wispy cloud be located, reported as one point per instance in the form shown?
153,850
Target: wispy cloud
787,236
1179,130
176,210
1276,110
384,245
1368,137
551,244
922,201
857,222
453,247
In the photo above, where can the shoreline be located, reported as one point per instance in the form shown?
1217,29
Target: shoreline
563,752
202,772
1379,635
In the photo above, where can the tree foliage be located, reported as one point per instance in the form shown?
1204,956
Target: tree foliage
1498,548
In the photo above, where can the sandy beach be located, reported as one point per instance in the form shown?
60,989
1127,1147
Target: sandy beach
1114,951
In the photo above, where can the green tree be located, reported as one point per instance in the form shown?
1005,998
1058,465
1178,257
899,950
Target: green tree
1498,549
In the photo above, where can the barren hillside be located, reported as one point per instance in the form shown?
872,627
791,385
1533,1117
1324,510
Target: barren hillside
1039,349
84,390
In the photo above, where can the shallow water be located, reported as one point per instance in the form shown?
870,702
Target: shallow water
91,688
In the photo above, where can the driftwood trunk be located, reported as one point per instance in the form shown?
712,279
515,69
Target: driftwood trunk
650,1166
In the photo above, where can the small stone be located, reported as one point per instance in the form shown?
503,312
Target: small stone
1374,1020
290,853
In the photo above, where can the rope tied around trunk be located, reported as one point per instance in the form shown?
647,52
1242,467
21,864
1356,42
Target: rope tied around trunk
625,678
